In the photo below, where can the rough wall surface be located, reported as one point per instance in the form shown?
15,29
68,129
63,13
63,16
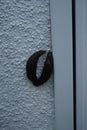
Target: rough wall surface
24,29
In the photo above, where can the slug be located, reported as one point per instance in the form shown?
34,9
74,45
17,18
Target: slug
31,67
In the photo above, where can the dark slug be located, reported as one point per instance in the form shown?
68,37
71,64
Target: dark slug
31,67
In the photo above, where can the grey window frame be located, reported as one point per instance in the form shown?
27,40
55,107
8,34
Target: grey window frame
81,64
61,28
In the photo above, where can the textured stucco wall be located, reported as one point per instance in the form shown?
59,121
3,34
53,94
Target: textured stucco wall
24,29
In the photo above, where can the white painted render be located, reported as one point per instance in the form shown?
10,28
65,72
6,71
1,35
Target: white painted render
24,29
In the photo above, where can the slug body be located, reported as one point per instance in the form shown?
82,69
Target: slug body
31,67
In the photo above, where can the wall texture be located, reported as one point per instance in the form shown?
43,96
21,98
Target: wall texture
24,29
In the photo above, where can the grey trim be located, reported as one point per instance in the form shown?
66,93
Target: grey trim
81,63
61,23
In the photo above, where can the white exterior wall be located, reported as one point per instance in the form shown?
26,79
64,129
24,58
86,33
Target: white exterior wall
24,29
